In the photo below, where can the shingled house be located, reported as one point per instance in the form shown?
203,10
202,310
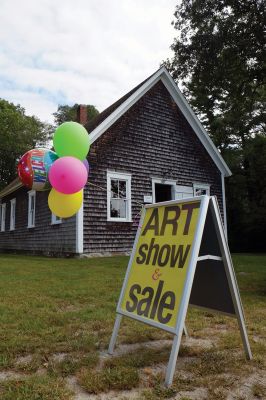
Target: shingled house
147,147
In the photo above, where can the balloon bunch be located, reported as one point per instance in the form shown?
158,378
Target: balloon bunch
65,171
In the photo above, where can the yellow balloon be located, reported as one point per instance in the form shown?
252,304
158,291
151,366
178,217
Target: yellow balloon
64,205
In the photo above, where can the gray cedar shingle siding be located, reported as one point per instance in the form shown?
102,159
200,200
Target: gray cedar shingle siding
45,238
152,139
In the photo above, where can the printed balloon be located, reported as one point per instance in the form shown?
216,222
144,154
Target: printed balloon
33,168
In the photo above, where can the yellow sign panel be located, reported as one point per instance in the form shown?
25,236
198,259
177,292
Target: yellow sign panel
154,283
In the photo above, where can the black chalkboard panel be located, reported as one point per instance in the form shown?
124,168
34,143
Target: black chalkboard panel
209,241
210,287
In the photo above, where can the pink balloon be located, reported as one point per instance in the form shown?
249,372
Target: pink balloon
68,175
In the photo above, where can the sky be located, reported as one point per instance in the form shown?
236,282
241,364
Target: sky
85,51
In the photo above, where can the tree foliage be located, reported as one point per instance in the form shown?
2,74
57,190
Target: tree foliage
66,113
246,196
219,59
18,134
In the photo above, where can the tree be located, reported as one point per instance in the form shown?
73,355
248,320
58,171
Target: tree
18,134
247,196
69,113
219,60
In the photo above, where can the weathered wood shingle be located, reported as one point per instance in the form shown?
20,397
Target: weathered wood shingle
44,237
152,139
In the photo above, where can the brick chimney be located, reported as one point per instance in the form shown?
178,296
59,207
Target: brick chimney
82,116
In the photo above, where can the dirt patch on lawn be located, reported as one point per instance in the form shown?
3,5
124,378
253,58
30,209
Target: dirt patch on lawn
250,385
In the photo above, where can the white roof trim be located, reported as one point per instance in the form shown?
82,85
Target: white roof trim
163,75
119,111
195,124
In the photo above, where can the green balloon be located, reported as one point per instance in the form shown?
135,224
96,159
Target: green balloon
71,139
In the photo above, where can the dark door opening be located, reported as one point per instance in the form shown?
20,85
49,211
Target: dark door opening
162,192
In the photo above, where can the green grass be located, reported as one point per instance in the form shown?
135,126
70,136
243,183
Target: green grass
50,306
115,378
35,388
143,357
71,364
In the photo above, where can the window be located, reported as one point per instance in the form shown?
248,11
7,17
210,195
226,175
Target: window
31,208
3,217
12,214
118,197
201,189
56,219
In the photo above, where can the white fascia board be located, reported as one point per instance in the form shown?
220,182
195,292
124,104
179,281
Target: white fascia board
195,124
163,75
110,120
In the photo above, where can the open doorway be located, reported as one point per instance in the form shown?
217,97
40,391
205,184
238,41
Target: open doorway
163,192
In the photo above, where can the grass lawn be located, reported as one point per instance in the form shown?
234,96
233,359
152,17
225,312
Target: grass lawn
57,315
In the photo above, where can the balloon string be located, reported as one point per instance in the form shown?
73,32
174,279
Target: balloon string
110,191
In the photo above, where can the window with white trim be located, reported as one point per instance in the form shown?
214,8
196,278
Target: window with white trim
56,219
201,189
3,217
31,208
118,197
12,214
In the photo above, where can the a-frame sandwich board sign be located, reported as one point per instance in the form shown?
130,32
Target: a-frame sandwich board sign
180,257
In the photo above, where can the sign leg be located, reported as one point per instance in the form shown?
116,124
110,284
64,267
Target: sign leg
244,335
231,278
172,360
114,334
238,306
185,330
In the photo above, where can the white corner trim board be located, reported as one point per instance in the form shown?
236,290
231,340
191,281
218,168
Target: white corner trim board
79,230
224,207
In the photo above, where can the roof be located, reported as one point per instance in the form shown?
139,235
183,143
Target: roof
98,125
94,122
14,185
